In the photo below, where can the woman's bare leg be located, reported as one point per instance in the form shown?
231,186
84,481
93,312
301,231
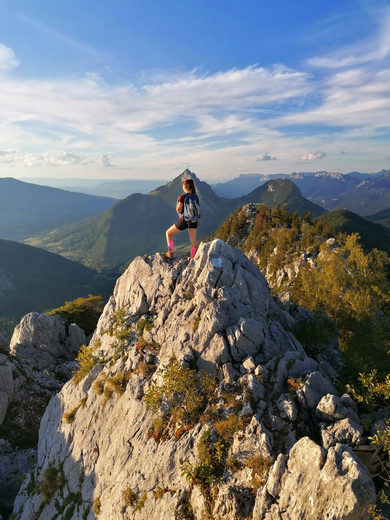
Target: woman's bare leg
169,234
192,233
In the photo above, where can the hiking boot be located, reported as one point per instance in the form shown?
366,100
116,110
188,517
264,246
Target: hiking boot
168,255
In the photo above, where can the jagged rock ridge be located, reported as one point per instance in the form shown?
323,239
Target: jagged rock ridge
215,310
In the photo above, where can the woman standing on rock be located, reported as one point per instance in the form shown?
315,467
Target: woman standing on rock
187,207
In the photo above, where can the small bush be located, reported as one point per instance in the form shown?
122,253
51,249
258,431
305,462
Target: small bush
69,416
184,511
83,311
234,465
130,497
259,466
209,468
141,503
120,332
157,428
144,324
97,506
226,428
98,385
181,431
83,402
146,369
86,361
108,391
196,322
61,480
160,492
184,397
119,382
294,385
49,484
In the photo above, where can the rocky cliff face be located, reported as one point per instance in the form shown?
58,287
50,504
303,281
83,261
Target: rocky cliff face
33,368
269,439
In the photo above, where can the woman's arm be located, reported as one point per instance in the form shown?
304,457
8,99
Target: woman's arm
180,204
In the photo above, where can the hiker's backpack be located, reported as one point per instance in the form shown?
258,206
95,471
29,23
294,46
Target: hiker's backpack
191,211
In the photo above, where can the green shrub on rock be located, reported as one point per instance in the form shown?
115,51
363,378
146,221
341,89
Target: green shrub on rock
86,361
83,311
181,392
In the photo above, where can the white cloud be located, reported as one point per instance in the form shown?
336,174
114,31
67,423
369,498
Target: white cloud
7,58
313,156
265,157
5,153
178,166
50,159
105,161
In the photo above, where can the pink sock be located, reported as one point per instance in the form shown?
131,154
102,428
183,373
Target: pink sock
170,247
193,251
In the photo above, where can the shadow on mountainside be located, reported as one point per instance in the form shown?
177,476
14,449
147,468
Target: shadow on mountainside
62,486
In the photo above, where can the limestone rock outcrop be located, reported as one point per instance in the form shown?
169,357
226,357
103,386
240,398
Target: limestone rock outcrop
250,453
33,368
40,340
39,361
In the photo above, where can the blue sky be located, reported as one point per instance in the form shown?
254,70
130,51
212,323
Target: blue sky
136,89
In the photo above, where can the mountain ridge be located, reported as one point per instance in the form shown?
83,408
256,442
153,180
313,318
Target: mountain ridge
28,209
136,225
32,279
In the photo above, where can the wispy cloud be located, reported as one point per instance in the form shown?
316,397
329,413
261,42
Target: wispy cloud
372,49
50,159
8,59
313,156
178,166
6,153
265,157
64,39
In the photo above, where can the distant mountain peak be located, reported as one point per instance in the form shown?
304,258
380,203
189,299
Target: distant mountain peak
332,175
188,174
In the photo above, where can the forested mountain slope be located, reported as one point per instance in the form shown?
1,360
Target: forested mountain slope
27,209
32,279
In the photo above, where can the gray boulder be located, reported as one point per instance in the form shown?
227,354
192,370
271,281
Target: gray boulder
76,338
315,386
38,340
344,431
332,408
320,484
255,440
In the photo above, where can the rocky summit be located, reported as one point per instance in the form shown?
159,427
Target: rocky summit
197,402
